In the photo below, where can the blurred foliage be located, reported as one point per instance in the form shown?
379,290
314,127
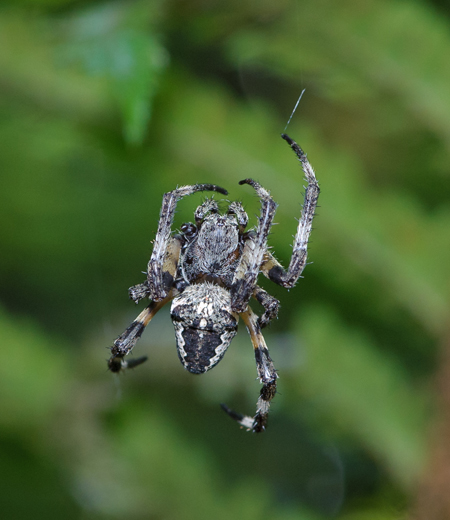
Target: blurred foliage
107,105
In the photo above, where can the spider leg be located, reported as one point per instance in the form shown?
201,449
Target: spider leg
124,344
139,292
244,280
266,374
209,206
271,268
169,269
236,208
160,281
270,304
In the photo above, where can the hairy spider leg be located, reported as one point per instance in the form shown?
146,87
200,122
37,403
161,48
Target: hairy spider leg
209,206
124,344
257,258
236,208
270,304
157,286
246,274
267,375
271,267
169,269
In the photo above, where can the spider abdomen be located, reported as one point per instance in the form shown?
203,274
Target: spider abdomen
204,325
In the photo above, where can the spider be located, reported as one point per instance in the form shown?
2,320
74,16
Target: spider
209,272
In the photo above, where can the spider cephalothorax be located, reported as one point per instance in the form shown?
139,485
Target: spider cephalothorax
209,271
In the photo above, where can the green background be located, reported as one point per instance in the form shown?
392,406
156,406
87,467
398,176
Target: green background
106,106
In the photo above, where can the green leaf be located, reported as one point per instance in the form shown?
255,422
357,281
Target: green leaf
364,392
108,43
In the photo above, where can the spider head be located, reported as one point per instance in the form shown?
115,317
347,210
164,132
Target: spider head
218,233
214,250
208,212
218,237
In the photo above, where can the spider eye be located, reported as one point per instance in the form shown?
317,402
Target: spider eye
189,229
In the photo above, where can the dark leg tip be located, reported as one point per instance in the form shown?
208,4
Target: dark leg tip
247,181
259,424
115,364
234,415
213,187
132,363
287,139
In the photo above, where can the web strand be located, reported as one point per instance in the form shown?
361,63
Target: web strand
295,108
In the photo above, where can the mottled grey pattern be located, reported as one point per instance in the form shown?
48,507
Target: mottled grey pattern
204,325
209,271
